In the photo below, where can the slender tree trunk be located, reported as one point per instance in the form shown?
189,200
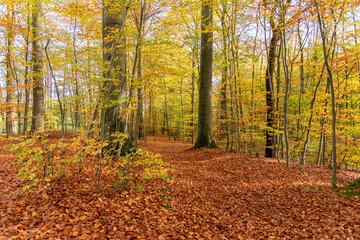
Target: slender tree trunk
37,123
193,82
270,104
9,74
139,104
62,115
77,92
155,124
302,160
331,84
224,121
286,102
26,75
255,60
140,83
302,89
182,110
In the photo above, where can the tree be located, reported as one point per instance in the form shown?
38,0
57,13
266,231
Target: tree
9,70
37,69
224,76
270,104
205,136
331,84
115,84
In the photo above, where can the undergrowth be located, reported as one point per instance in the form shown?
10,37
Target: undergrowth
46,162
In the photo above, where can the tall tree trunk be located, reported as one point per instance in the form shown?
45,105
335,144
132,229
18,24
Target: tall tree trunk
302,160
269,77
302,89
331,84
205,135
194,74
62,115
37,123
182,110
115,84
77,92
9,71
224,121
255,60
139,110
270,103
26,75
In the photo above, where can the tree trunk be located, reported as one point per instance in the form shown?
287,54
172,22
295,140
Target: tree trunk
270,103
115,85
193,82
37,123
205,135
9,73
302,160
139,110
182,111
331,84
224,121
62,115
77,92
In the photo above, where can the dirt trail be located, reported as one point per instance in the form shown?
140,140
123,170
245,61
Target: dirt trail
213,195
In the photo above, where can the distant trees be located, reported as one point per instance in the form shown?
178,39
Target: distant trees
248,76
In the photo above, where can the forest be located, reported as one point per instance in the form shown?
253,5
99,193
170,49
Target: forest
159,119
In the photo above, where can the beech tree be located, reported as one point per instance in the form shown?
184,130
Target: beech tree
205,136
9,70
37,69
269,83
115,84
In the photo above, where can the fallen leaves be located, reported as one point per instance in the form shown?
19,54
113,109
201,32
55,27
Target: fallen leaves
213,195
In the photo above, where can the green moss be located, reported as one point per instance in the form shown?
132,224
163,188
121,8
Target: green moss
350,190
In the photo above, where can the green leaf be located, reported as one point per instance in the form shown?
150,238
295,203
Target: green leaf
77,159
37,157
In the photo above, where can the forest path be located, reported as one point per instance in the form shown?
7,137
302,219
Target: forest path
231,195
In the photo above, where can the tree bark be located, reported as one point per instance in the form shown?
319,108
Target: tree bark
9,74
224,118
139,110
37,123
205,135
115,79
270,103
26,77
331,84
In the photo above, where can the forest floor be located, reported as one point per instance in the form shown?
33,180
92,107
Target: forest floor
213,194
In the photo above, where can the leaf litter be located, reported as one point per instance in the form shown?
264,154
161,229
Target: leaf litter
213,194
